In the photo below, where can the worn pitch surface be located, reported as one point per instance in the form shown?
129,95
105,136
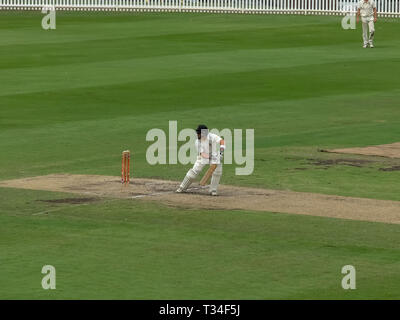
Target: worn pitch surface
391,150
230,197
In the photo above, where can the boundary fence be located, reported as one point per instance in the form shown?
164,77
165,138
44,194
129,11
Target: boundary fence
385,8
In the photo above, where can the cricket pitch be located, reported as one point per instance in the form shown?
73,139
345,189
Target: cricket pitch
230,197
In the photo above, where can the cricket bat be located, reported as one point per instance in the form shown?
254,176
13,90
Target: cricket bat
208,174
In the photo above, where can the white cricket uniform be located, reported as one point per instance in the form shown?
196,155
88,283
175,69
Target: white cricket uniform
367,20
210,147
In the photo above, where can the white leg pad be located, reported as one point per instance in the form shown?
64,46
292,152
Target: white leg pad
187,181
216,177
191,175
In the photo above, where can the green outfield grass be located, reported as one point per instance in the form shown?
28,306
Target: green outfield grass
73,98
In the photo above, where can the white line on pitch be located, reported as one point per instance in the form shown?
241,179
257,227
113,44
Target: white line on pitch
165,192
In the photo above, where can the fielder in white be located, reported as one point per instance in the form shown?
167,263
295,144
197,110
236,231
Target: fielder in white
367,10
208,153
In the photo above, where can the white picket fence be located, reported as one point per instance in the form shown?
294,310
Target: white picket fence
388,8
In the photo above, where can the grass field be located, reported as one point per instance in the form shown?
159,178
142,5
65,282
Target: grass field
72,98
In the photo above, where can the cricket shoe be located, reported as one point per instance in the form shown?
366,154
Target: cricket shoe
179,190
365,46
213,193
371,45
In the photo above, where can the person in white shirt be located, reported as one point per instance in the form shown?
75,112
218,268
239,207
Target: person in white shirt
367,10
207,146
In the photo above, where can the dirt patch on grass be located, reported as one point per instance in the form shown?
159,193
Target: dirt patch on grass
230,198
70,200
385,150
346,162
394,168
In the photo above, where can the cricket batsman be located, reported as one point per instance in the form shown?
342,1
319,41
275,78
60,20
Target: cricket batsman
210,152
367,10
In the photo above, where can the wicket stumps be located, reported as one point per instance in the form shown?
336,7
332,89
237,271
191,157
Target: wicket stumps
125,174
